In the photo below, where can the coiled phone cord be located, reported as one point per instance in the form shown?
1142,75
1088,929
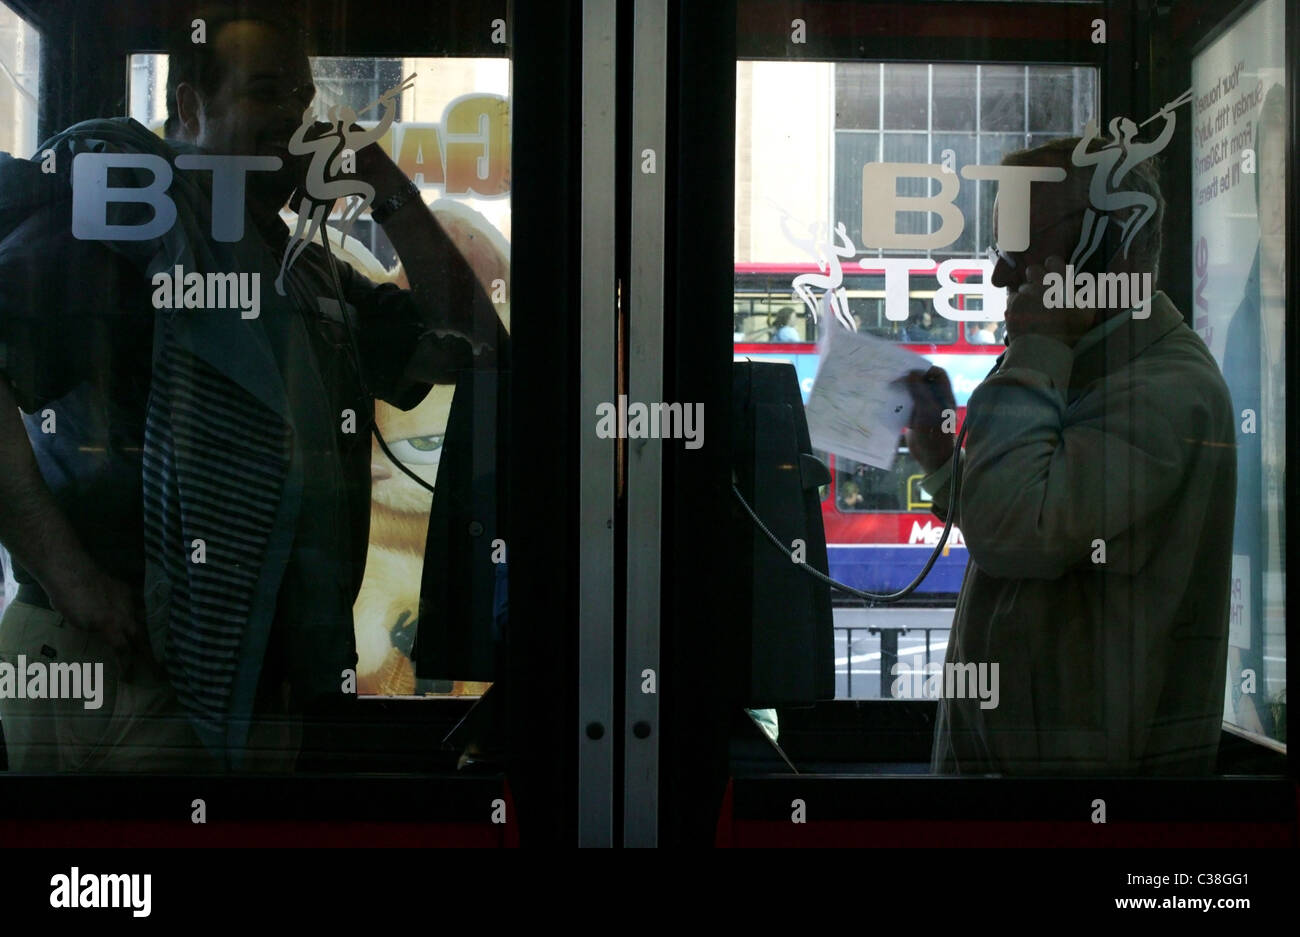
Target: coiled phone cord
356,357
859,593
953,502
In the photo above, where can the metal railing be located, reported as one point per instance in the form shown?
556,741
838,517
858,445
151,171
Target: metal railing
889,635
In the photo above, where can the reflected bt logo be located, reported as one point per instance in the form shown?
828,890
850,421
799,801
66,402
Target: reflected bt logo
467,153
1108,201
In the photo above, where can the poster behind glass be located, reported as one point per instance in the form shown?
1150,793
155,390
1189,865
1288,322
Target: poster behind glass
1239,263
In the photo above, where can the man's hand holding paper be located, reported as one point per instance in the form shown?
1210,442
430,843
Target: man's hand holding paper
861,402
932,404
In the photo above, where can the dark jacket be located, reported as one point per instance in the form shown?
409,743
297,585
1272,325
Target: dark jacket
1109,663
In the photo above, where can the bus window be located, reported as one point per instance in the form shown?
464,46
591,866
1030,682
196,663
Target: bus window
764,292
824,491
925,327
863,488
984,333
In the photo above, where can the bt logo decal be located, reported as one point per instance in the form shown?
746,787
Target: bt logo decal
468,153
91,193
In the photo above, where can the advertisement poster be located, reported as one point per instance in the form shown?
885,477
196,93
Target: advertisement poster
1239,250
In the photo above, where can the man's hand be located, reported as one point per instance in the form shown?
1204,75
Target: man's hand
92,600
1027,315
933,406
34,529
377,169
453,303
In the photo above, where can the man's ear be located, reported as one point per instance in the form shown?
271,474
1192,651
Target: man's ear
188,108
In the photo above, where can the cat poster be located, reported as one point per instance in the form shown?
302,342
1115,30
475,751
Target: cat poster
385,614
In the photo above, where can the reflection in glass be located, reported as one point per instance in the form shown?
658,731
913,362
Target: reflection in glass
278,573
20,56
1239,257
857,96
954,106
1002,97
880,525
907,96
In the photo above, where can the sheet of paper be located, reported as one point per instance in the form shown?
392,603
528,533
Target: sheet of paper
855,410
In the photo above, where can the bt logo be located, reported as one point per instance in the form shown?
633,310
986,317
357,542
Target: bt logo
91,193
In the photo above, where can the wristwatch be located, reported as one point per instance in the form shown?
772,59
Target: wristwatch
383,211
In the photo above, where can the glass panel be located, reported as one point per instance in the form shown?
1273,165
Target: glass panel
1052,98
1239,262
852,152
1030,583
1002,97
909,148
906,95
954,105
857,96
355,83
307,450
20,58
926,327
388,602
19,90
993,147
963,147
